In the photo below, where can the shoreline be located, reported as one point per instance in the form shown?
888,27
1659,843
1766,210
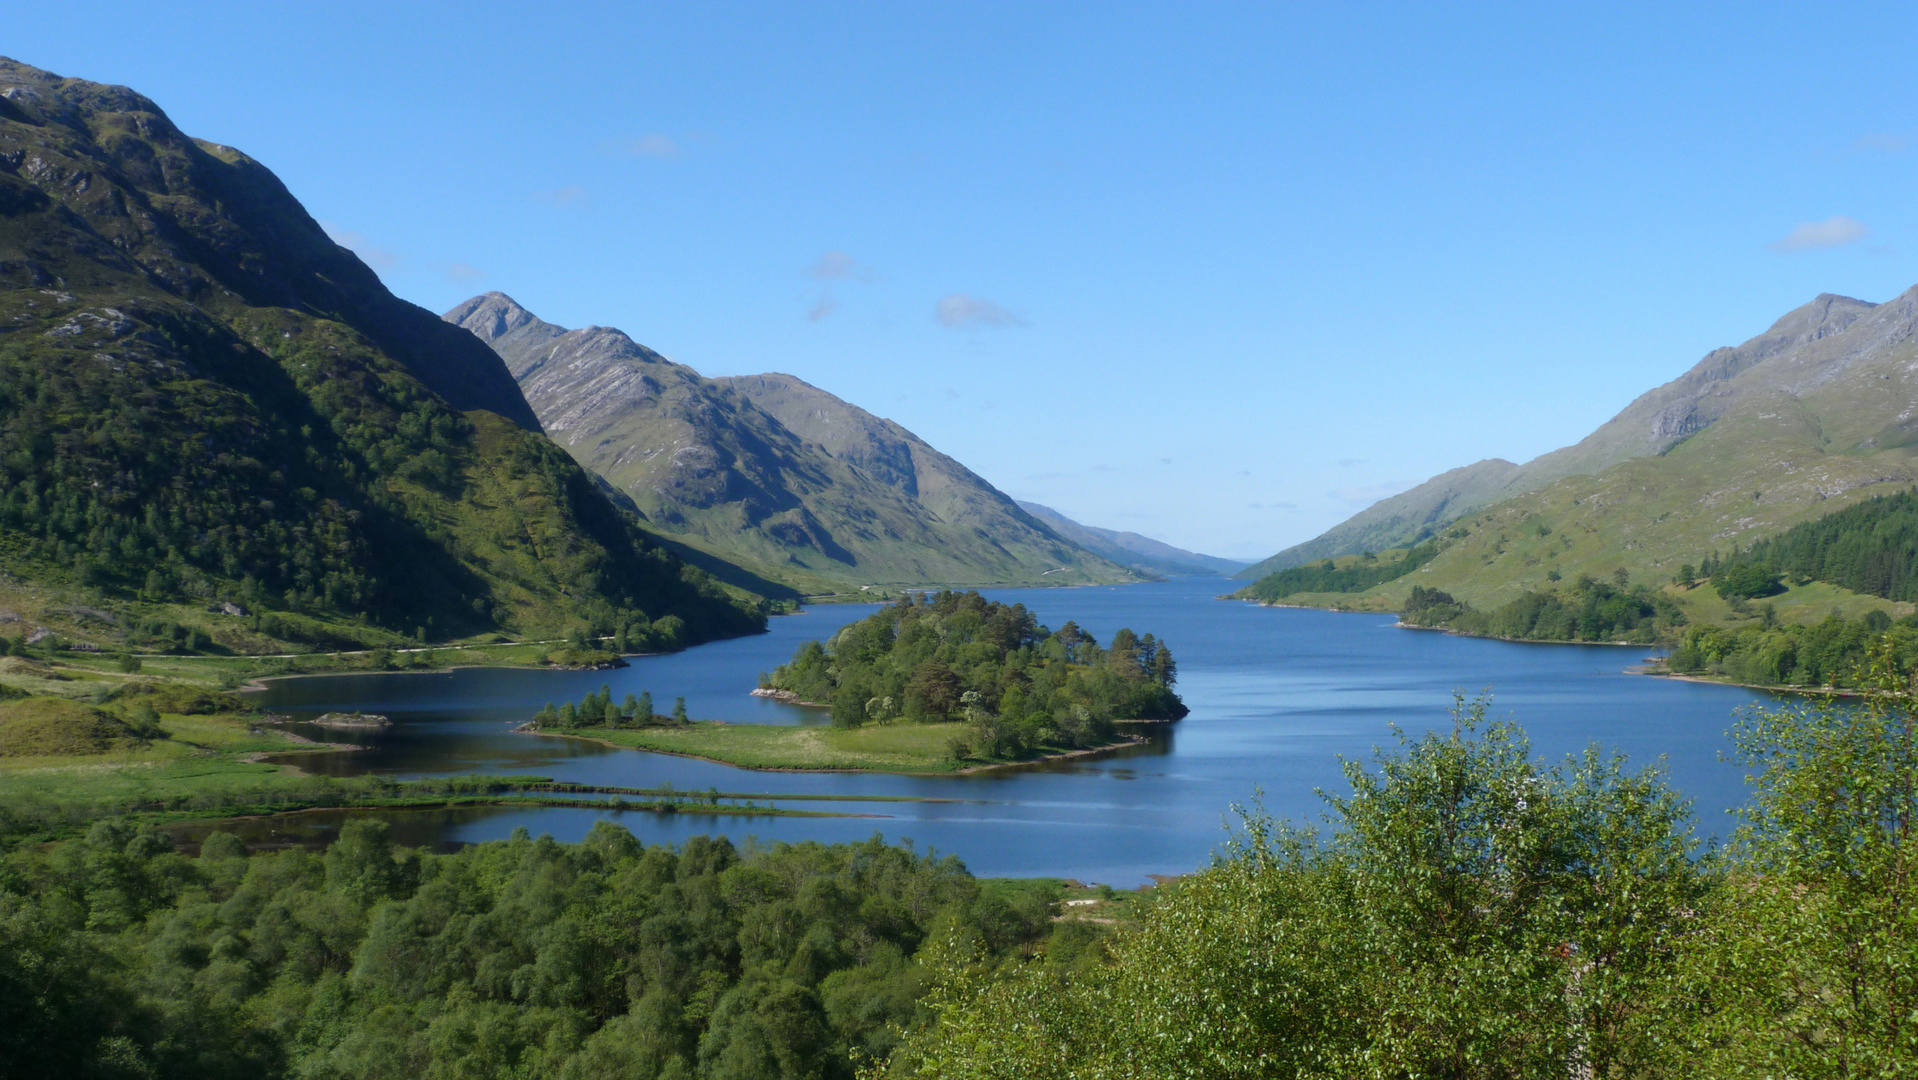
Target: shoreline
1802,691
1403,625
787,697
258,683
1062,755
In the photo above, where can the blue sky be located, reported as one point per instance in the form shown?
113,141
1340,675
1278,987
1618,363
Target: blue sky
1221,275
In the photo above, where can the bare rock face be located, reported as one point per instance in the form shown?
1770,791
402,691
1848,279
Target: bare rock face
768,471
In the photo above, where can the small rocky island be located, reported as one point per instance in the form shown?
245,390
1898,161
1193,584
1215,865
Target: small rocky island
351,720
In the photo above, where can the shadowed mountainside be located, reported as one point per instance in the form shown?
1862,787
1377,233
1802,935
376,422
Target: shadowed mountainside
202,396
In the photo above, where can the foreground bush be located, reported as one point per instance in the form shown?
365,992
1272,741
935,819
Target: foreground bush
1472,914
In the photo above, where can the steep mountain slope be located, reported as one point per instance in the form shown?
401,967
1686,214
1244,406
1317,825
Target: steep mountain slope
203,397
1818,414
769,472
1716,387
1131,549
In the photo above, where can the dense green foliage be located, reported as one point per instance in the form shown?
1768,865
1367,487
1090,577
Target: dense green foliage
1324,576
953,655
1870,548
1832,652
1476,915
1805,963
1588,610
598,709
1743,580
203,398
519,958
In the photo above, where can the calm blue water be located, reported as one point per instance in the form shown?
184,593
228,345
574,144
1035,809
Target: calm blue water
1277,694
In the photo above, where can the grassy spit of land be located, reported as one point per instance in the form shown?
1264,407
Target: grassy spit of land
172,742
894,748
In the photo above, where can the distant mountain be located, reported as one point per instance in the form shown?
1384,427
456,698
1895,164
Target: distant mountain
769,472
1402,520
1130,549
1818,412
202,396
1657,421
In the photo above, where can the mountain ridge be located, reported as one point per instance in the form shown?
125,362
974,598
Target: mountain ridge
1817,413
1650,425
846,502
1132,549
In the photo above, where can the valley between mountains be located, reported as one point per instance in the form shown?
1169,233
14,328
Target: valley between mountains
331,629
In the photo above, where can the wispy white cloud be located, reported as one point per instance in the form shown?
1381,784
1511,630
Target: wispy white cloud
459,272
570,195
825,306
958,311
371,254
1829,233
839,266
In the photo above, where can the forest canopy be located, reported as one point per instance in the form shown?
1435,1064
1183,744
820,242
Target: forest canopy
1589,610
951,656
120,957
1869,548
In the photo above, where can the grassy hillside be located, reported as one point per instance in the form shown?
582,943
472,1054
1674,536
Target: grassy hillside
779,477
1799,425
1828,355
205,401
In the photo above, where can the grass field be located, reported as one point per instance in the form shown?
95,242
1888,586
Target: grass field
898,748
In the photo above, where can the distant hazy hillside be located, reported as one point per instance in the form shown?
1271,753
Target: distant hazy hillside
1816,414
1792,356
204,398
1401,520
769,472
1131,549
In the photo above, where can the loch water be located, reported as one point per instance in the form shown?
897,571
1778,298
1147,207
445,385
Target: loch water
1277,696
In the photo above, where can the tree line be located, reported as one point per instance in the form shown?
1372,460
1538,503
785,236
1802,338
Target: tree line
1831,652
598,709
1870,547
1326,576
1587,610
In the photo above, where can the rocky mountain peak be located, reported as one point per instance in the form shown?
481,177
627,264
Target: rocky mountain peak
491,316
